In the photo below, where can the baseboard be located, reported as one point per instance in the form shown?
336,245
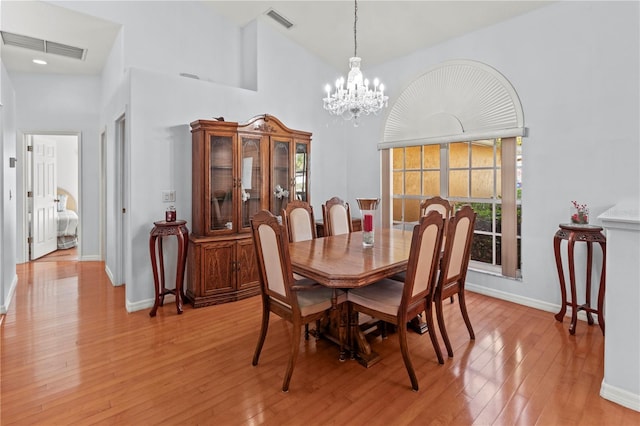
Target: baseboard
620,396
525,301
4,308
143,304
91,258
109,274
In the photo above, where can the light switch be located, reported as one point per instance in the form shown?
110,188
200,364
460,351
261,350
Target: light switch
169,196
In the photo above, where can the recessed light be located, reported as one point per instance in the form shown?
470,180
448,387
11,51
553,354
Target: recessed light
39,62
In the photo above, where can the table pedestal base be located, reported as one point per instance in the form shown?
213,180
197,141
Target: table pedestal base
344,326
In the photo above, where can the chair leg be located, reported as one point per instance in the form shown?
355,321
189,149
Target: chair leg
263,333
318,326
293,355
306,331
465,315
443,329
402,336
428,314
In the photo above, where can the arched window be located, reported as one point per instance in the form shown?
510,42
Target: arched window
456,132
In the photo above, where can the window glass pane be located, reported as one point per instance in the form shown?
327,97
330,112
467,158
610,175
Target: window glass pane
412,183
431,156
482,248
459,154
431,183
482,183
411,210
397,209
459,183
398,178
472,171
412,157
484,214
398,158
482,154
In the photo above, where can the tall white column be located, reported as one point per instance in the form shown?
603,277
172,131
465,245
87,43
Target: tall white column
621,382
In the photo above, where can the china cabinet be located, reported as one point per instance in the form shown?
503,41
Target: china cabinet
237,170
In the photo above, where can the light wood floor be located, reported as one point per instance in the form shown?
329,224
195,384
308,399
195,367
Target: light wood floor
71,354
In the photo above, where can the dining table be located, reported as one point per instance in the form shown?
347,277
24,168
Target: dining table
341,262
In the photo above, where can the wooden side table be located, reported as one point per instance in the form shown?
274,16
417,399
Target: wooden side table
163,229
588,234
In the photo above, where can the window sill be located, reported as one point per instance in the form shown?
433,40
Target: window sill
493,270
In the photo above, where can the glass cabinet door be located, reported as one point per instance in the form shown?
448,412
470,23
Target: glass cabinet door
221,180
250,178
280,175
301,164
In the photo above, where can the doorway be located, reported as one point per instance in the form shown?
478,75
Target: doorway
51,215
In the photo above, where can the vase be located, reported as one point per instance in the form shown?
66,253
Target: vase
579,216
368,208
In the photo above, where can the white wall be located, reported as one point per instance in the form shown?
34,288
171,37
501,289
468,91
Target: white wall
163,105
8,200
55,103
172,37
578,83
621,381
67,163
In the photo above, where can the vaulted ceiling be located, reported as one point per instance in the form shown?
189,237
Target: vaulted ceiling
385,29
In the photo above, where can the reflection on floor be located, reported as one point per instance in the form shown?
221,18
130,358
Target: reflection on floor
60,255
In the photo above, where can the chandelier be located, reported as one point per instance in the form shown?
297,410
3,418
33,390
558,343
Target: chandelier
357,97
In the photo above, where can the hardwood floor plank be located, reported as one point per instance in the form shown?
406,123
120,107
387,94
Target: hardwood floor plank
71,354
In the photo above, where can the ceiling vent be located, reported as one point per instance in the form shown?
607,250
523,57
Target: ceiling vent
26,42
279,18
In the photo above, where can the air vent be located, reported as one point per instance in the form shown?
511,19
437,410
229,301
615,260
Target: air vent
279,18
26,42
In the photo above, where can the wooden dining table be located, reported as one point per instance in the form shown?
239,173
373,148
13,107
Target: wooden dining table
341,262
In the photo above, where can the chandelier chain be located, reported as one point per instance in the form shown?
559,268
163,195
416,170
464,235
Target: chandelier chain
355,30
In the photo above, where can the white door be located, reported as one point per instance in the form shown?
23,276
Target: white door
43,221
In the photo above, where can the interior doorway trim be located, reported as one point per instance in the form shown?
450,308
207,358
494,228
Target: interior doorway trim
458,100
23,179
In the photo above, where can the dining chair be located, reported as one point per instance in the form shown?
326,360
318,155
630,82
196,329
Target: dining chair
396,302
445,208
337,217
299,302
439,204
453,269
297,217
442,206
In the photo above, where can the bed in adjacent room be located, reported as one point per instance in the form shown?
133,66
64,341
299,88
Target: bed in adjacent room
67,220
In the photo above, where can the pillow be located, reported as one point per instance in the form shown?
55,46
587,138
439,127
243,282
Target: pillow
62,202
